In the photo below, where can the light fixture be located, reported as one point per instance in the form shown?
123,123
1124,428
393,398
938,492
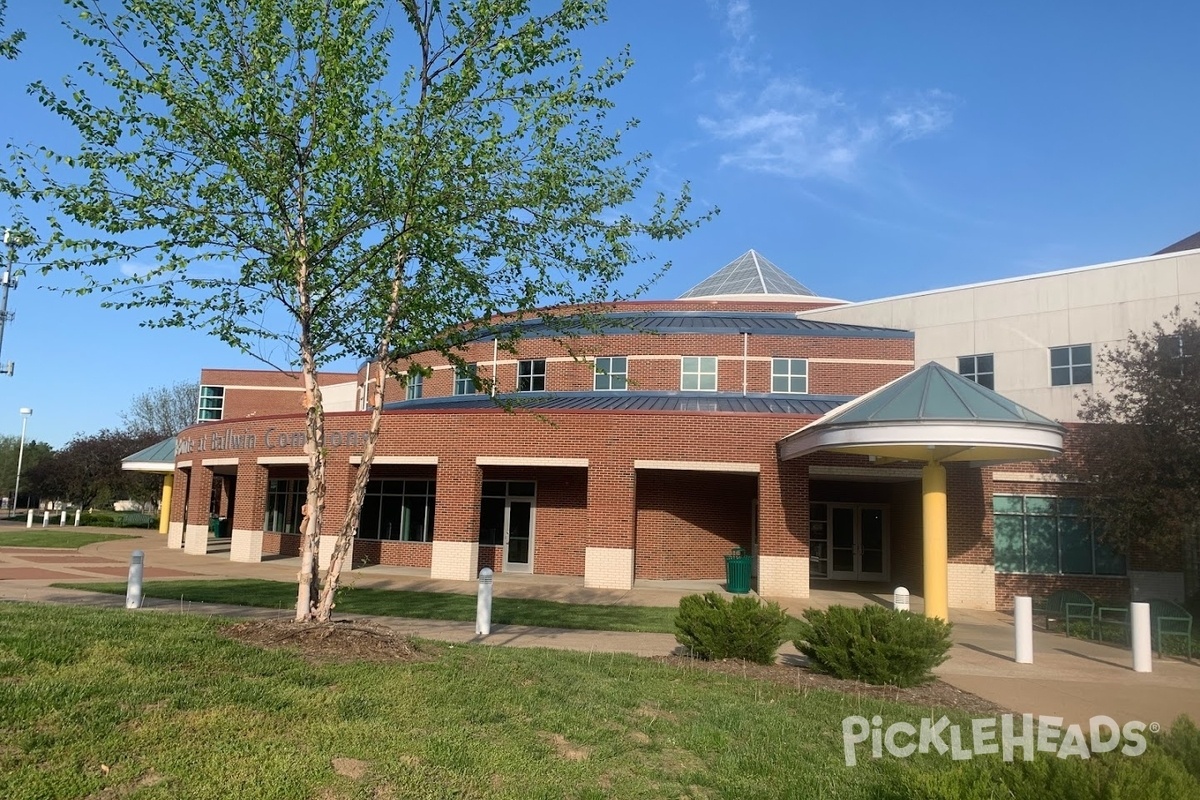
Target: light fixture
25,412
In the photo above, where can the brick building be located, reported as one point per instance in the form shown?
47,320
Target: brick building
700,424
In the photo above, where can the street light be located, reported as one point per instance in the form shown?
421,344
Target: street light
25,412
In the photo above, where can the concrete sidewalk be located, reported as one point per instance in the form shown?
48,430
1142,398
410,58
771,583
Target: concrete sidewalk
1071,678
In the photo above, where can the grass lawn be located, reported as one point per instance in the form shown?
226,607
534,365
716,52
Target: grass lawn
414,605
52,538
106,703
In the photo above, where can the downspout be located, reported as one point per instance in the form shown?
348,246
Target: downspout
495,353
745,355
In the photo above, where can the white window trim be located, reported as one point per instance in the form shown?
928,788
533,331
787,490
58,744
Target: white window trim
699,373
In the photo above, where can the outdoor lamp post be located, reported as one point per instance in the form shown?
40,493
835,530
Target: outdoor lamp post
25,412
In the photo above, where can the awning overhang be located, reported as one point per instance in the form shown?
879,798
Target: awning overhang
928,440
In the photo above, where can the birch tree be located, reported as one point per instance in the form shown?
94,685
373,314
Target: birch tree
331,179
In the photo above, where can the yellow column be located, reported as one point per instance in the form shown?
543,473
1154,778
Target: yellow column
933,506
164,507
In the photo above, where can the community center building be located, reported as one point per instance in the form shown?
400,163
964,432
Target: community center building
910,441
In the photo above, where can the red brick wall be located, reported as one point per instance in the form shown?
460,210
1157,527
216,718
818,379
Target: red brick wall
1105,590
687,522
286,545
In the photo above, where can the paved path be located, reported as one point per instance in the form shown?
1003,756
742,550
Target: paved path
1071,678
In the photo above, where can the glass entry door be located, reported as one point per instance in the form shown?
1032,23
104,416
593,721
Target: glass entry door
858,543
518,536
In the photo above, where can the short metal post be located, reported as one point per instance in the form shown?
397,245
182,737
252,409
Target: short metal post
45,518
1023,625
1139,635
78,511
900,599
133,592
483,608
29,519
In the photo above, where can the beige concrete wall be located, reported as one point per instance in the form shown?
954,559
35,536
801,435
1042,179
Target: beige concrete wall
1018,320
608,568
782,576
455,561
246,546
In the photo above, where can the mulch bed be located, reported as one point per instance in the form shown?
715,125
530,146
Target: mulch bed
340,641
934,694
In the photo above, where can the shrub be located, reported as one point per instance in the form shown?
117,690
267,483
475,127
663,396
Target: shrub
873,644
714,628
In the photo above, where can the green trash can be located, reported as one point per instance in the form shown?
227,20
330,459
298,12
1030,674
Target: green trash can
737,571
214,526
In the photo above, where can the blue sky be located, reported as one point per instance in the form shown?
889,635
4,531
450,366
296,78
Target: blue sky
868,148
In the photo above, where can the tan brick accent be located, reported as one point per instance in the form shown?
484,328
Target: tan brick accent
972,586
454,561
608,568
195,539
246,546
175,536
782,576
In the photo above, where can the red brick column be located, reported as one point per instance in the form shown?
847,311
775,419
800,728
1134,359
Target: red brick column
783,499
611,511
456,518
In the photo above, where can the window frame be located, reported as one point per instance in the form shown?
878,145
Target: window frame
970,368
529,378
464,379
698,373
283,505
610,374
415,388
789,375
1077,371
388,499
210,393
1065,515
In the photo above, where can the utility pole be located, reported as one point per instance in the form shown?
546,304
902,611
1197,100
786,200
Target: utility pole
9,281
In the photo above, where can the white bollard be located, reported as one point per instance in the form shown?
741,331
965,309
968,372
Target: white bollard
45,518
1139,635
133,590
483,608
900,599
78,511
1023,625
29,519
62,518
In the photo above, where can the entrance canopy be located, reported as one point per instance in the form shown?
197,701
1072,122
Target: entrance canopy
930,414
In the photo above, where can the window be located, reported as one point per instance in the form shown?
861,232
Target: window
1049,535
212,403
416,387
285,501
1177,353
398,511
464,379
1070,365
493,501
789,375
698,374
531,375
611,374
979,369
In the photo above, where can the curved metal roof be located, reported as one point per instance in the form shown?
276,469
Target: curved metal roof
751,274
665,402
734,322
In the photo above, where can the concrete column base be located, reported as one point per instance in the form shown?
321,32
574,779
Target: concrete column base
195,540
608,568
246,546
325,553
454,561
782,576
175,536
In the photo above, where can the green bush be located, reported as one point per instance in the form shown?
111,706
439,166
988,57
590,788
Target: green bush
97,520
714,628
873,644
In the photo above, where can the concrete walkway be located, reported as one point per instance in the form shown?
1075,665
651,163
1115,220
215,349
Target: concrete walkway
1071,678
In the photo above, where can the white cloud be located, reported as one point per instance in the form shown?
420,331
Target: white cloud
790,127
132,269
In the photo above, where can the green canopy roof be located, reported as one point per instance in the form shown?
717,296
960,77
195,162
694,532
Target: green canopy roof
932,413
158,457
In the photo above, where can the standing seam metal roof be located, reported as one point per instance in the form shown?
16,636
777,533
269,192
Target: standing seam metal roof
668,402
